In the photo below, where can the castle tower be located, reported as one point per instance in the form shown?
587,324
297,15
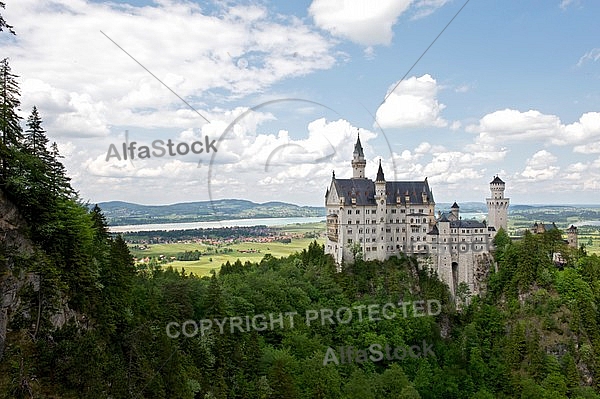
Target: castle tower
497,205
381,200
454,211
572,236
358,161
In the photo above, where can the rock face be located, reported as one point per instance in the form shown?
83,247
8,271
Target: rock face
15,248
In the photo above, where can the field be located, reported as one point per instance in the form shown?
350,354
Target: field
218,255
213,256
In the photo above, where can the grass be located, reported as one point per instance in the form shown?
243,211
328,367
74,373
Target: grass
213,261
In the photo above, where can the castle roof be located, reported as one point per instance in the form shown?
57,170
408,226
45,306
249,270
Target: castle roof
364,191
358,147
454,206
462,224
434,231
380,173
467,224
497,180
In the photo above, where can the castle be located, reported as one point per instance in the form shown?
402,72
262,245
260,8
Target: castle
385,218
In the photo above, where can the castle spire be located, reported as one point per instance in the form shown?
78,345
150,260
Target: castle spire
358,160
380,176
358,150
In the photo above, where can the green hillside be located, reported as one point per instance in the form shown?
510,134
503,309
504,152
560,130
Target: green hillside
120,213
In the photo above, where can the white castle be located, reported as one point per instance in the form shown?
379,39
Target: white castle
385,218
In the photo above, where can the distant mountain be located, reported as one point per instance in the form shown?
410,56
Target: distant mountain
120,213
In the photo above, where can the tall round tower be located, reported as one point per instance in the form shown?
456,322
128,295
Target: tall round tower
497,205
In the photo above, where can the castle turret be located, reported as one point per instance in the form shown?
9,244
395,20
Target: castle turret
358,161
454,210
381,200
572,236
497,205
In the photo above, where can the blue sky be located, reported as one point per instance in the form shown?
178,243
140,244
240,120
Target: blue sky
510,88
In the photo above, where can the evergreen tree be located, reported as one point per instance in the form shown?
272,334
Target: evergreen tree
60,181
10,128
3,24
36,141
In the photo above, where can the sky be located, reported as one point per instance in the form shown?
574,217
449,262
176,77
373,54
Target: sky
456,91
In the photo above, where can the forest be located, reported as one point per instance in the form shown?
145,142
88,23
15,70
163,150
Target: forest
79,320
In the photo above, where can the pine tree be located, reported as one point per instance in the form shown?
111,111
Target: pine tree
3,24
35,140
10,128
60,181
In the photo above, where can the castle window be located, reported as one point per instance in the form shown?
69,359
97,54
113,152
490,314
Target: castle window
368,249
402,211
349,211
357,222
358,211
404,230
349,231
397,229
360,239
349,221
349,240
360,231
420,210
367,211
393,211
373,231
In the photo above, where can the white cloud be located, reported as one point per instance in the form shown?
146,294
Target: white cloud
540,166
592,55
413,103
511,125
88,84
362,21
424,8
564,4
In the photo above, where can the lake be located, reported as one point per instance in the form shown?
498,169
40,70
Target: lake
587,223
216,224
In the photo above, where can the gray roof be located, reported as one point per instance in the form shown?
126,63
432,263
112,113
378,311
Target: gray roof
364,191
434,231
467,224
497,180
358,147
380,176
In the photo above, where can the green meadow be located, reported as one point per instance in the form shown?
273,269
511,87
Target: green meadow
213,256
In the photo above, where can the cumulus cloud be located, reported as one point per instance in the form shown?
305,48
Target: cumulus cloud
541,166
511,125
362,21
413,103
90,84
